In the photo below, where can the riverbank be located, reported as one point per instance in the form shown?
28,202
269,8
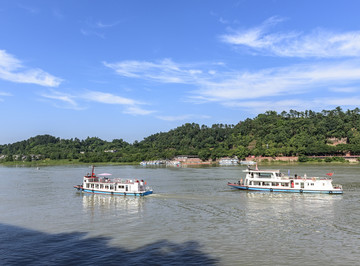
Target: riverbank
264,161
49,162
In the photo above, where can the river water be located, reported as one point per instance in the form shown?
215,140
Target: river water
193,218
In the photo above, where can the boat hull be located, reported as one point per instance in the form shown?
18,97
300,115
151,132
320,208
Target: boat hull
94,191
287,190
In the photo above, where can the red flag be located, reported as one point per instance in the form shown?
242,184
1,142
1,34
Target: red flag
329,174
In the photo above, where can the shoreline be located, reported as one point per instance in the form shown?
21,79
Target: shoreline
76,162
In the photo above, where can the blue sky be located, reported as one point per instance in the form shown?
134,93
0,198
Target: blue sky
129,69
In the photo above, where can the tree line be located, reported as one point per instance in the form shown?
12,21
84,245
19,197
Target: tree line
292,133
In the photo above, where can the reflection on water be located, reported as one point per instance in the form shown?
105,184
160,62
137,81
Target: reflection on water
291,210
126,205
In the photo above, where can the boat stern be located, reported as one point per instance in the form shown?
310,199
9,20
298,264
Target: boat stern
237,185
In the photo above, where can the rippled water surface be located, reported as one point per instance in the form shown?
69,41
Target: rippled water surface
193,218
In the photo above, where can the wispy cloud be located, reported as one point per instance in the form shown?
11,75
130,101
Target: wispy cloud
30,9
272,82
260,106
57,13
316,104
345,89
131,106
75,101
12,69
350,102
136,110
222,85
4,94
92,32
165,71
319,43
107,98
101,24
62,100
98,28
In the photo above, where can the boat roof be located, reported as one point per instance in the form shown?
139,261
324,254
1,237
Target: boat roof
262,171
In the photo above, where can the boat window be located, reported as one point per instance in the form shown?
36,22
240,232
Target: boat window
297,183
87,185
101,186
121,186
106,187
264,175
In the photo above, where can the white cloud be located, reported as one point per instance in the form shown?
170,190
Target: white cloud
345,89
136,110
319,43
271,82
344,101
165,71
219,85
11,69
261,106
100,24
107,98
62,100
317,104
5,94
68,101
131,106
30,9
92,32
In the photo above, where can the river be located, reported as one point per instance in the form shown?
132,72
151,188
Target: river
193,218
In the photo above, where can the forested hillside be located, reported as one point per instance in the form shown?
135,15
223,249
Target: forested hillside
270,134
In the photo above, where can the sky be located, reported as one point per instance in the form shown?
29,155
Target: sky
132,68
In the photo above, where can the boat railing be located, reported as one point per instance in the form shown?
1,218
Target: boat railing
118,180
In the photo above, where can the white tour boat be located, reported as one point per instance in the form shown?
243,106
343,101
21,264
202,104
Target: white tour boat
102,184
274,181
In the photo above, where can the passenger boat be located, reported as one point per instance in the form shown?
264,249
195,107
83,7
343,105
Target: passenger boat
274,181
102,184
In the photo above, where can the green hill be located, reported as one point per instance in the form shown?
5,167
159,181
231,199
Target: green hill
330,132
